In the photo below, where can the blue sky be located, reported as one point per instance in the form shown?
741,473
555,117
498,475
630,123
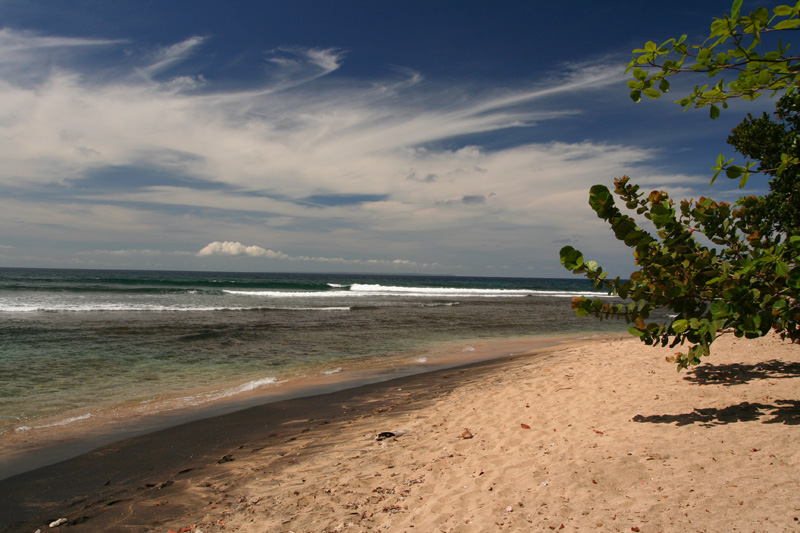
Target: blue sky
356,136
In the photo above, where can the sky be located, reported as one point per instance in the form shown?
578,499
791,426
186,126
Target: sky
439,137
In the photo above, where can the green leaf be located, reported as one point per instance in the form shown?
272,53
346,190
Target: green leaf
720,309
793,280
735,172
787,24
782,11
636,332
623,290
744,179
571,258
714,112
779,307
636,95
737,6
599,199
652,93
762,16
661,215
679,326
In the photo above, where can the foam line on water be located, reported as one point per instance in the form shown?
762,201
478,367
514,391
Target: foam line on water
364,290
63,422
123,307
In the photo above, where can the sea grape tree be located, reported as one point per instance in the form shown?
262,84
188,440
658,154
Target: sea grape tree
770,142
734,46
743,274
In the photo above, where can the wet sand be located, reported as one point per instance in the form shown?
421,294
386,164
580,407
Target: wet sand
597,435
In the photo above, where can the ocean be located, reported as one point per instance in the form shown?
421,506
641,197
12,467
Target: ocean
82,351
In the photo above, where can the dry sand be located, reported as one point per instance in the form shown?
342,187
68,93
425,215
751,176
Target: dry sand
601,435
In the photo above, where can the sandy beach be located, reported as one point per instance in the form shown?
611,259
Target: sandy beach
594,435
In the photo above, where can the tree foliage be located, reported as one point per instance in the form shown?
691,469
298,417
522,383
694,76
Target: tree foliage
716,266
767,140
732,47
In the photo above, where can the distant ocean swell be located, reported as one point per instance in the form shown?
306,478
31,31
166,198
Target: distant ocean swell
16,299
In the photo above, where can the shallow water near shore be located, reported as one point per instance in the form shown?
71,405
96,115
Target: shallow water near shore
81,351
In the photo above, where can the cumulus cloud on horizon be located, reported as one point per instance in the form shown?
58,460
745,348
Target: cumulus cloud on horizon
237,248
229,248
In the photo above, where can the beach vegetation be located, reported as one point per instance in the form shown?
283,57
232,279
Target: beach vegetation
714,266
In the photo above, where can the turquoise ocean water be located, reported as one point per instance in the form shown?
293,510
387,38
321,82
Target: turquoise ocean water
80,345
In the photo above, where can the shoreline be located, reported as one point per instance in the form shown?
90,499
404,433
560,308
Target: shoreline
163,452
593,435
48,444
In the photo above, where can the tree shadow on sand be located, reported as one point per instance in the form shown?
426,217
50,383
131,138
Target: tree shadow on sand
780,412
739,374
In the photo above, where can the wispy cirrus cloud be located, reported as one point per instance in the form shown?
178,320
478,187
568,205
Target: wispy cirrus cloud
295,66
168,56
19,42
332,170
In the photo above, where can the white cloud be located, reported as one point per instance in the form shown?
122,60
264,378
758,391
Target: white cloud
169,56
237,248
229,248
266,148
15,41
312,138
296,66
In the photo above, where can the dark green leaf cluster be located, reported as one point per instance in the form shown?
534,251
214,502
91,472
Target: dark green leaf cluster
744,283
772,142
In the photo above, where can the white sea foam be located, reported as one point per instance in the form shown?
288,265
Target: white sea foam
386,290
98,306
468,349
338,308
239,389
120,307
291,294
252,385
361,289
206,397
63,422
333,371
